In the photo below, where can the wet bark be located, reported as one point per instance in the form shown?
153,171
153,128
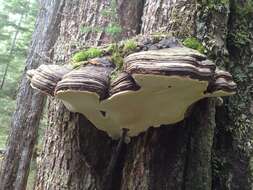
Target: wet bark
180,156
25,120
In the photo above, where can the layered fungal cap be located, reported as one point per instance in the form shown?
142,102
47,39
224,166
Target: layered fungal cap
155,87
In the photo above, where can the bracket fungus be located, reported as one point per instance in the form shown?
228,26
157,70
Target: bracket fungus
155,87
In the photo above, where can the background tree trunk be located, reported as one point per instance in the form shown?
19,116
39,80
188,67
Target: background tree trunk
25,121
13,46
180,156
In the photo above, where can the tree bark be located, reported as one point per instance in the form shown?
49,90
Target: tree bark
232,155
180,156
25,120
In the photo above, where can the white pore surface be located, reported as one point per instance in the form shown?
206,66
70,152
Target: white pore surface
161,100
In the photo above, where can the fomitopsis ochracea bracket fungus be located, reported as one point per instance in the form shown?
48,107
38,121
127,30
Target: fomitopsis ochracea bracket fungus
155,86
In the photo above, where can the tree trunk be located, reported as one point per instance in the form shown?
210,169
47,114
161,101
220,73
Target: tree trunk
180,156
25,120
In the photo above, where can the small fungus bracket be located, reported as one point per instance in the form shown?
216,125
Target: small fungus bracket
157,85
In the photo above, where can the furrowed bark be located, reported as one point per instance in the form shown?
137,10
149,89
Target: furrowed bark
233,143
220,28
84,164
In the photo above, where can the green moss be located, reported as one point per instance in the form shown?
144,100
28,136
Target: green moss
111,48
194,43
80,56
88,54
117,59
114,74
130,46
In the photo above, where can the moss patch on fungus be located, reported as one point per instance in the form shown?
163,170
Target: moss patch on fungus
117,59
110,48
118,52
88,54
194,43
129,46
114,74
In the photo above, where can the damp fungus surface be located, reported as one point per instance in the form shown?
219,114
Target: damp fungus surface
155,87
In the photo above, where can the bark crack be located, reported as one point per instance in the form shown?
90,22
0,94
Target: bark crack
110,170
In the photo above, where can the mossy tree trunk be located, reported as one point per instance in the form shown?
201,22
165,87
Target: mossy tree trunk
193,154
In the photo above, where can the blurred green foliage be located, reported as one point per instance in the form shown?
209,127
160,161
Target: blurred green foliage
17,17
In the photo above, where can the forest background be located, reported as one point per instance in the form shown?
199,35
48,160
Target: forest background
17,22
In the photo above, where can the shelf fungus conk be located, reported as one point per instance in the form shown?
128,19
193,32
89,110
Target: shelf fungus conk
155,87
